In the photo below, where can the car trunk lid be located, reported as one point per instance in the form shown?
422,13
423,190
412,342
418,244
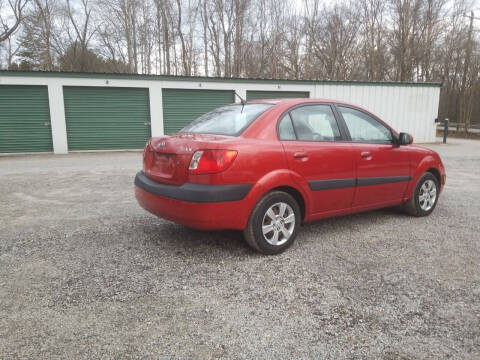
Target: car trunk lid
167,158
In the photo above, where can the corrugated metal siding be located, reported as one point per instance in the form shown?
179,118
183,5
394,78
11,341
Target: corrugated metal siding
99,118
256,95
406,109
181,106
24,119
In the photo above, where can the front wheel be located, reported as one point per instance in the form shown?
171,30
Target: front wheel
273,223
425,196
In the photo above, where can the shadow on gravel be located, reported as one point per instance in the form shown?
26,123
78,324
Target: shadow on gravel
181,240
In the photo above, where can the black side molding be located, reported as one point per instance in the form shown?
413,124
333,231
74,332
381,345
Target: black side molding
199,193
317,185
382,180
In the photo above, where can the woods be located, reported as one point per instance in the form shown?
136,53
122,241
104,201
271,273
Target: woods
371,40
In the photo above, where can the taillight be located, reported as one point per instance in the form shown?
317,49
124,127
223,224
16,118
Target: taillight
211,161
146,151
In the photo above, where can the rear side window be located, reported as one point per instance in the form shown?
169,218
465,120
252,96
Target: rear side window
285,129
226,120
364,128
315,123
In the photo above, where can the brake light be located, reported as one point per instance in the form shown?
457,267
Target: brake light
145,155
211,161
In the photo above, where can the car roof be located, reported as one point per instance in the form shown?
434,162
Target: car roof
297,101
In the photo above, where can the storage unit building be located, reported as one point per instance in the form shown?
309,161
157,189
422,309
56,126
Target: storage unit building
61,112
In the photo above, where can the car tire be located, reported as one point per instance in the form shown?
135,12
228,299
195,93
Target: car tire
425,196
273,223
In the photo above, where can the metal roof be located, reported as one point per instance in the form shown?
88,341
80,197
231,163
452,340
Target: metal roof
208,79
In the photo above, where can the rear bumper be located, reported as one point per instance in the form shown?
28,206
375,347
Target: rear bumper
199,193
195,205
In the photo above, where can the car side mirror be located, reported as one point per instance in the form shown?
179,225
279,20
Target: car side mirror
405,139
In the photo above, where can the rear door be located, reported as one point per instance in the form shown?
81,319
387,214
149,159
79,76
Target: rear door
383,169
314,146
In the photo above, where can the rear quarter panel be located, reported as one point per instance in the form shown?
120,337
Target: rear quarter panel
255,159
260,163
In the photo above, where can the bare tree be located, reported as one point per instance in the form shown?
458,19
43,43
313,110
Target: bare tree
42,39
374,47
215,41
11,48
16,8
82,23
292,63
406,15
186,39
146,40
240,8
466,87
164,22
121,15
334,42
431,30
83,30
204,19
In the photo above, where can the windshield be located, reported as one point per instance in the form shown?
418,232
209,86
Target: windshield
226,120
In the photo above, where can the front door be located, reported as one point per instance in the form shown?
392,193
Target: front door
313,145
383,169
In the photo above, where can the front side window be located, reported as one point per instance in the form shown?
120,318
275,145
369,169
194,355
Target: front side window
226,120
315,123
364,128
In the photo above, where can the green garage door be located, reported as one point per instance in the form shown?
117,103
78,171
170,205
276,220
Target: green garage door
181,106
255,95
101,118
24,119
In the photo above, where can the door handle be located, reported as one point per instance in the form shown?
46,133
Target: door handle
365,155
300,155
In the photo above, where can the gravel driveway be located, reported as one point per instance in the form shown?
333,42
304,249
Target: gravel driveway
86,273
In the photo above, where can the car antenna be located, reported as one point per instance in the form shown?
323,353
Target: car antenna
242,100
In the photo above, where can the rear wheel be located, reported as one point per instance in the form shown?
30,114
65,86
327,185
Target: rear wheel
425,196
273,223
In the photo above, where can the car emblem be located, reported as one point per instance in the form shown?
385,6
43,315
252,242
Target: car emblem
161,144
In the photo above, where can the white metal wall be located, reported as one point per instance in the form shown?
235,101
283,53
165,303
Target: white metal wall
406,108
410,109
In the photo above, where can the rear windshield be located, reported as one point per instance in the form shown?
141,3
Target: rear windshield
226,120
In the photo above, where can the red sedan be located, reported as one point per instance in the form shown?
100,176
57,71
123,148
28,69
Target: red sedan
267,166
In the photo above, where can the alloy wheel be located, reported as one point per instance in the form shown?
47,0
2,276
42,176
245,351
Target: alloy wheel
427,195
278,224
